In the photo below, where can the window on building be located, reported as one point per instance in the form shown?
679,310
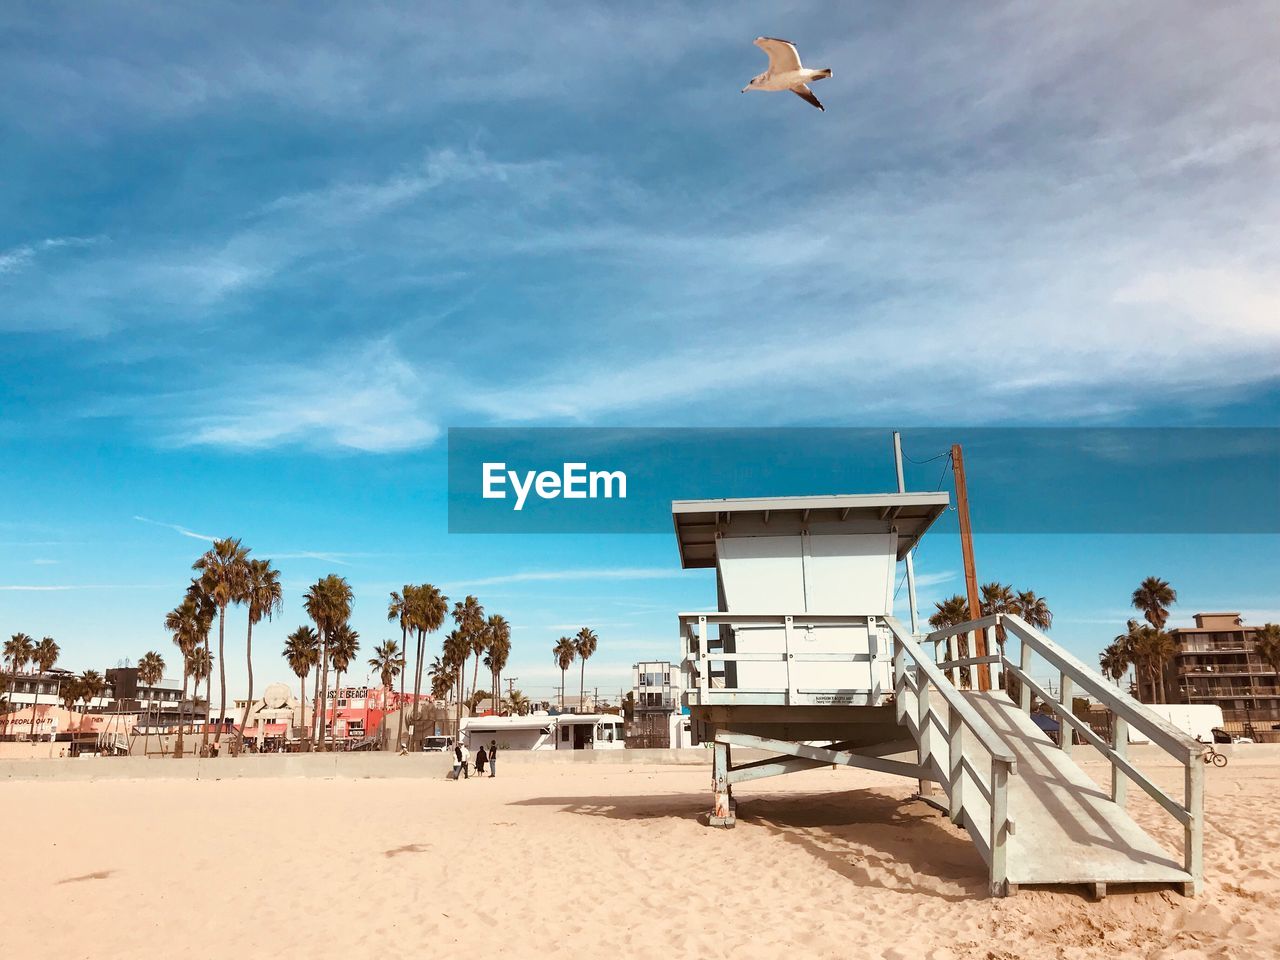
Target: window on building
564,734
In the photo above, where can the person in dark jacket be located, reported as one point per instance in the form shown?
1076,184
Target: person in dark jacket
481,757
493,759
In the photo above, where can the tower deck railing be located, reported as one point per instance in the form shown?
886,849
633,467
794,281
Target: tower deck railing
701,652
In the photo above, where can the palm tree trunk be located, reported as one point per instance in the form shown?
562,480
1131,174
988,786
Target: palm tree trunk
177,750
337,693
35,701
562,689
208,695
582,687
222,675
302,700
421,651
404,649
475,675
315,710
248,653
323,667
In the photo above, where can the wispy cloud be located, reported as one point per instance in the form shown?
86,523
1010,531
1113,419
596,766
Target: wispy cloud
180,529
45,588
17,258
926,580
367,398
1078,206
343,558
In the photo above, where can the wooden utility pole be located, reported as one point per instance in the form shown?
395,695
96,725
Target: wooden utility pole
970,572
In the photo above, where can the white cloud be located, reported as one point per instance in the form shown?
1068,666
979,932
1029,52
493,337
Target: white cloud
368,399
173,526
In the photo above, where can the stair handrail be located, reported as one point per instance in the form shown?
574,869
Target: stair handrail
1128,712
956,701
1138,715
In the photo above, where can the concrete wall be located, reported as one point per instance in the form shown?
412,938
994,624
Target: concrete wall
349,765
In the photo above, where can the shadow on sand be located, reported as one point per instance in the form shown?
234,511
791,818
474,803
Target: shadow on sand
866,837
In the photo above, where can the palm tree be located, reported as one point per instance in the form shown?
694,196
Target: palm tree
328,603
43,656
563,654
1113,662
456,650
498,654
224,573
200,666
17,650
1268,645
441,677
150,670
1157,648
468,615
427,608
584,643
1127,652
90,684
344,644
265,598
1154,597
302,652
206,609
997,598
1033,609
952,612
183,622
517,703
479,646
70,694
398,609
388,661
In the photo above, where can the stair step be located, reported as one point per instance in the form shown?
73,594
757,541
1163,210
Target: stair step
1068,830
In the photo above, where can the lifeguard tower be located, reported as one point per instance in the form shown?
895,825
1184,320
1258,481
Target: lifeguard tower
803,658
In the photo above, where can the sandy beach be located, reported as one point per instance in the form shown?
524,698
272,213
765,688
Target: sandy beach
584,860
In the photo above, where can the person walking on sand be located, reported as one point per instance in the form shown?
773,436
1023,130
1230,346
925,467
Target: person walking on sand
493,759
459,761
481,757
466,760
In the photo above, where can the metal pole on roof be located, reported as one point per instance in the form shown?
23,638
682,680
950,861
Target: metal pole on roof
911,569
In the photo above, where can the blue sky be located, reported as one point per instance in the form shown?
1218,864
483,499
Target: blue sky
255,259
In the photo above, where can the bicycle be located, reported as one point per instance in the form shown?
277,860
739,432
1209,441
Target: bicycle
1211,755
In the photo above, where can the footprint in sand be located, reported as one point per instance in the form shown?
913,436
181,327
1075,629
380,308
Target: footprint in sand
407,848
96,875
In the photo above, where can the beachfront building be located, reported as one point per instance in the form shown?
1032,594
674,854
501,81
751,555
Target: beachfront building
546,731
128,694
1217,663
658,721
44,689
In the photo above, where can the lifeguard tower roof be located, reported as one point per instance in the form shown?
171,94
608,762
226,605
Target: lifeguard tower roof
697,521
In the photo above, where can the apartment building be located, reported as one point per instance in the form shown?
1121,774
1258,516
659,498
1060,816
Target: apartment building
1217,662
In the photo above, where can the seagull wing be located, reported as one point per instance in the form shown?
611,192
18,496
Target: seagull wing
783,57
802,91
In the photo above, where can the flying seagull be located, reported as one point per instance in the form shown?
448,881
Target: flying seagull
785,72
